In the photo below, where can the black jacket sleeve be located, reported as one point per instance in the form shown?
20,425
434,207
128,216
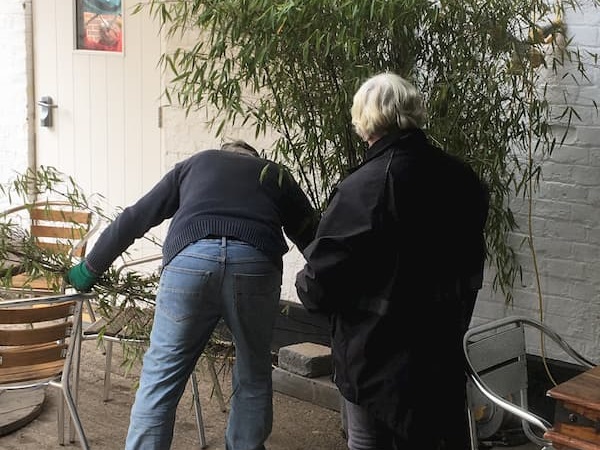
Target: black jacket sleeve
333,274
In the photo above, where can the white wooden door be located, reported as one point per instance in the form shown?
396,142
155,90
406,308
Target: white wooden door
105,131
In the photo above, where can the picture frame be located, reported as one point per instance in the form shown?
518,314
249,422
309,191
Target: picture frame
99,25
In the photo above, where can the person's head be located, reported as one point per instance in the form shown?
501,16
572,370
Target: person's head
240,147
386,102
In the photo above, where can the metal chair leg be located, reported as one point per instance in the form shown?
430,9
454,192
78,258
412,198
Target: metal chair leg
61,421
216,384
74,416
75,379
198,410
108,347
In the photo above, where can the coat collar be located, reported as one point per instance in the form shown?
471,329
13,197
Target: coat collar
388,141
393,139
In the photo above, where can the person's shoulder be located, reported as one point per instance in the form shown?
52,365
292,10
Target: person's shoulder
201,154
368,175
275,172
208,153
452,161
463,170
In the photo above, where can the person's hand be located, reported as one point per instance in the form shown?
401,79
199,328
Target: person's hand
81,278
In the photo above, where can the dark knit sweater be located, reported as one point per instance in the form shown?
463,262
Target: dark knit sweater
215,193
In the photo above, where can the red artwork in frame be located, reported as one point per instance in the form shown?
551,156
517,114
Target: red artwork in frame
100,25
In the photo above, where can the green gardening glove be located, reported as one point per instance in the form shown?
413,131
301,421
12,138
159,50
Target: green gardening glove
81,278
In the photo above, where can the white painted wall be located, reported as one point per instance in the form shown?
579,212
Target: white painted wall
16,137
566,213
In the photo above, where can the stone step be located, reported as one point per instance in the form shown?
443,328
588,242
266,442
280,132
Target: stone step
306,358
320,391
304,372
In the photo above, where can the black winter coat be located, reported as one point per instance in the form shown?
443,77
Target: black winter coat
396,263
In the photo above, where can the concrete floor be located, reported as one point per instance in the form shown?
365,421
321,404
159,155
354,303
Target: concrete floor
298,425
527,446
530,446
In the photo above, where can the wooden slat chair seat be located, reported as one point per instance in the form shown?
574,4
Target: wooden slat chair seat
50,283
117,324
40,340
32,372
31,362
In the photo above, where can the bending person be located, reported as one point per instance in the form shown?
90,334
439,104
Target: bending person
222,258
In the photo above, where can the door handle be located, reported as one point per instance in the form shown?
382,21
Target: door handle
46,106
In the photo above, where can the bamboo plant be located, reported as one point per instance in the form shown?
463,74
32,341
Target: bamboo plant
485,67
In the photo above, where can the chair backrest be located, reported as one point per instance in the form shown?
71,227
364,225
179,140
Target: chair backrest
496,355
60,230
37,338
56,227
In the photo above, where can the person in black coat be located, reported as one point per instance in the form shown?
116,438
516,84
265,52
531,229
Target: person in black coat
396,264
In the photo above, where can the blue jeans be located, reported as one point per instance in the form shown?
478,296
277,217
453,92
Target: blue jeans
209,280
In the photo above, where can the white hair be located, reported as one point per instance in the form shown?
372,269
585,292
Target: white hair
385,102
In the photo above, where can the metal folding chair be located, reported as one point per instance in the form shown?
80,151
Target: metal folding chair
496,356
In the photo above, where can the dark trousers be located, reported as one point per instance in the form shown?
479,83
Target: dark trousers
364,432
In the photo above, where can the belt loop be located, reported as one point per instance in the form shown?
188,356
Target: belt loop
223,241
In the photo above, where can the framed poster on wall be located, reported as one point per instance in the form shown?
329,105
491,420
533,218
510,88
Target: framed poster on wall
99,25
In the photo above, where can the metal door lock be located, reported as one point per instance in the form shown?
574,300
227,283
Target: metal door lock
47,106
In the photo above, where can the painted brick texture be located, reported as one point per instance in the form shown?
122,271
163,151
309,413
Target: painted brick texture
565,219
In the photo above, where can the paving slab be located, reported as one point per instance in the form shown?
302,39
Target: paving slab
306,359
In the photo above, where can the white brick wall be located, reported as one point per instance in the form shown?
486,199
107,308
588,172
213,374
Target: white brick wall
566,220
15,137
566,215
